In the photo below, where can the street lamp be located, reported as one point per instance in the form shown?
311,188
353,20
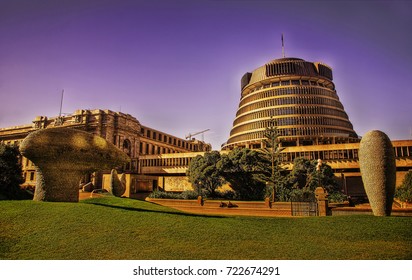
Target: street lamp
318,168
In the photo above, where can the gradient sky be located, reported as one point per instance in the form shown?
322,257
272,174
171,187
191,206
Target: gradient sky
176,65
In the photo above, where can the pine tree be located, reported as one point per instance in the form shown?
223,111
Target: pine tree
272,150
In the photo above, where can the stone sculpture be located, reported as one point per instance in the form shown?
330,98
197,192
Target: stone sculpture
62,156
117,186
378,170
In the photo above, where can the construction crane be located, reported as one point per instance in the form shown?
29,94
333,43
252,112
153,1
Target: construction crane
193,134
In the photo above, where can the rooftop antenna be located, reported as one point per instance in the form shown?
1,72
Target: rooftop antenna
61,104
283,47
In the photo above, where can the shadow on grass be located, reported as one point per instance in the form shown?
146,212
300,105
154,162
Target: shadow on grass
156,211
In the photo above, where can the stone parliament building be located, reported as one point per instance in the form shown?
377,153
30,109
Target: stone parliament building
298,95
125,132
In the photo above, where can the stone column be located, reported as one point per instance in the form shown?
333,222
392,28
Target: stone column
200,200
268,203
322,200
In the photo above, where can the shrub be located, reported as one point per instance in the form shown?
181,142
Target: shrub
173,195
161,194
337,197
228,194
11,173
404,192
189,195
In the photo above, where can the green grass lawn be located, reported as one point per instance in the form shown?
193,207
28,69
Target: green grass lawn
116,228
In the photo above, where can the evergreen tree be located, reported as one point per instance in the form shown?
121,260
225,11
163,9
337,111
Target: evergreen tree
244,169
272,150
204,174
10,173
307,175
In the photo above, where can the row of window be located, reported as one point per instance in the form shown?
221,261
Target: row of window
295,110
288,91
29,176
294,100
166,162
294,131
157,136
307,121
347,154
150,149
11,142
285,157
297,67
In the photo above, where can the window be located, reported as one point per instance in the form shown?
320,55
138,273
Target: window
398,151
127,147
295,82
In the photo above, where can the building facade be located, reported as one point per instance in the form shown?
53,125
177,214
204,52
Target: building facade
300,97
123,130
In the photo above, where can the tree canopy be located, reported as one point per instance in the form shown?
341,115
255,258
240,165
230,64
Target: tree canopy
204,174
10,173
249,173
404,192
305,177
245,170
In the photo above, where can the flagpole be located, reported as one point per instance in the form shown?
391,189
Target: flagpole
61,104
283,48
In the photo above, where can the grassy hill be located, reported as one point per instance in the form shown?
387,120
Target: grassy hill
115,228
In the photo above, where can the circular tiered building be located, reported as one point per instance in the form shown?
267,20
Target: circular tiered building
300,97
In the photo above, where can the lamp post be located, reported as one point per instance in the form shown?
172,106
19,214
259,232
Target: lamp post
199,187
318,169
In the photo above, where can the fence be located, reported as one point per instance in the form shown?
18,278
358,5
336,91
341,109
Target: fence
304,205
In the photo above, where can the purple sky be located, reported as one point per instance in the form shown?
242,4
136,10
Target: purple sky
176,65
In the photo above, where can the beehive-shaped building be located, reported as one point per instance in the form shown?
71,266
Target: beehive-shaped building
301,98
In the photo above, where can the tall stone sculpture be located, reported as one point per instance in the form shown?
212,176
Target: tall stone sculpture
378,170
63,156
117,186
